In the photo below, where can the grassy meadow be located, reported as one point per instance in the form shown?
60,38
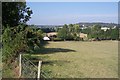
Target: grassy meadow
69,59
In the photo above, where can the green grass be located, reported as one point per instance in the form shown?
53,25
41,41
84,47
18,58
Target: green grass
80,59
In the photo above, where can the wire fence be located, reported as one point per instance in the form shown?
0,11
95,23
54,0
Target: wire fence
44,75
30,70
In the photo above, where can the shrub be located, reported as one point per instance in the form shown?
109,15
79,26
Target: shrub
57,39
20,39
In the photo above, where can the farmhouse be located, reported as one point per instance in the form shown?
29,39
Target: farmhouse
82,35
52,34
104,28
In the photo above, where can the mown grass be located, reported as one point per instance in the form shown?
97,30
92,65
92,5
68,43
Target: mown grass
71,59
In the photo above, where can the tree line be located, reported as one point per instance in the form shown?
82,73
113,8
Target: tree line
69,32
72,32
97,33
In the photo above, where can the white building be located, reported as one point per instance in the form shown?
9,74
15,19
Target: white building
46,38
83,27
114,27
105,28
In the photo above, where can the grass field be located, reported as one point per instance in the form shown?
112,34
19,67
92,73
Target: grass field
81,59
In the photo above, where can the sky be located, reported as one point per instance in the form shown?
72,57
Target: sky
72,0
59,13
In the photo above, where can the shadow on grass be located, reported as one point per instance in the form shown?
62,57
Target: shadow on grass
51,62
55,62
51,50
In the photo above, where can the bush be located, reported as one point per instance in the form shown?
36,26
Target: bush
77,38
20,39
57,39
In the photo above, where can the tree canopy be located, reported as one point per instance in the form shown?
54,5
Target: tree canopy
14,13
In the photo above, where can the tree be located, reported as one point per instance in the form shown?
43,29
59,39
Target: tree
87,31
65,26
71,28
115,34
14,16
69,32
24,39
62,33
65,33
95,31
77,28
76,32
17,37
14,13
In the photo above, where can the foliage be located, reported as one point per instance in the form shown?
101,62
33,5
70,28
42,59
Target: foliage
69,32
17,37
76,28
47,30
57,39
96,32
15,13
20,39
63,33
15,34
115,34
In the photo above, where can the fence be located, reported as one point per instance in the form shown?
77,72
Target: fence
29,70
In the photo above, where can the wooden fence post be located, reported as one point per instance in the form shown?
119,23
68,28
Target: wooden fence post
39,69
20,66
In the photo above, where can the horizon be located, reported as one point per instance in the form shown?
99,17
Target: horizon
60,13
74,23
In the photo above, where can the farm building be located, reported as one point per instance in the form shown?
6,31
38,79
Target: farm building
46,38
52,34
82,35
105,28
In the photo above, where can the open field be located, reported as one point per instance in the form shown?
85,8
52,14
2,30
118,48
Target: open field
81,59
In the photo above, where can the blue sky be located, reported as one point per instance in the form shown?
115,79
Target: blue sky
56,13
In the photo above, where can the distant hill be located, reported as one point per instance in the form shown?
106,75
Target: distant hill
97,23
48,26
86,24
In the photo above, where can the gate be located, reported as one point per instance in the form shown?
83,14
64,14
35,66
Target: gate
27,69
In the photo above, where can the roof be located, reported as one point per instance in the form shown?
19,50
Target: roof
52,33
82,35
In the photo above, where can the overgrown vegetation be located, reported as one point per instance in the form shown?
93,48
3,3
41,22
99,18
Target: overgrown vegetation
72,32
20,39
17,37
97,33
69,32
